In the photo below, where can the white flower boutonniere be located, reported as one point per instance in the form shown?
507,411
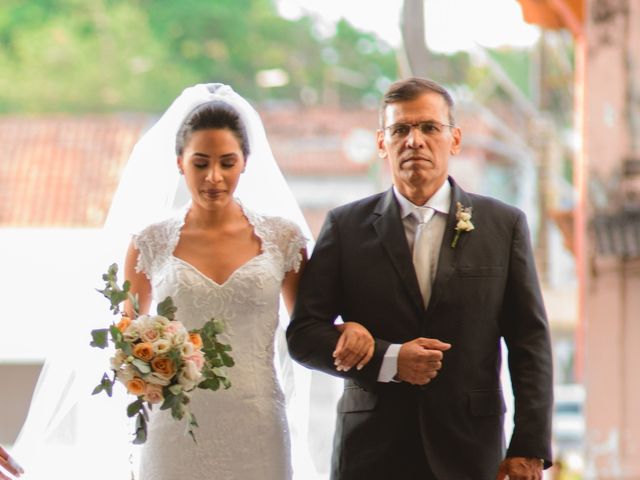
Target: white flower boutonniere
463,216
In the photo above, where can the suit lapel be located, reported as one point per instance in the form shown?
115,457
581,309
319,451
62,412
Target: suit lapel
448,258
390,231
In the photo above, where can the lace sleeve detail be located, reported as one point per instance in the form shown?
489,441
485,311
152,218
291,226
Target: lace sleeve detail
154,244
290,241
142,243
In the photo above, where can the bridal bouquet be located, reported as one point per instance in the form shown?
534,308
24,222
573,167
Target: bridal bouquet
157,359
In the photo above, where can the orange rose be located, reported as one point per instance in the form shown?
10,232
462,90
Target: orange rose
143,351
124,323
196,339
136,386
164,366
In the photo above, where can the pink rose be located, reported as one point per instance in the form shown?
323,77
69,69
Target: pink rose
171,328
175,327
153,393
150,335
197,358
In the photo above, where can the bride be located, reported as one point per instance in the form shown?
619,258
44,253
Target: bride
218,257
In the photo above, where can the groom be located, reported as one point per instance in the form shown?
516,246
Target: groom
438,276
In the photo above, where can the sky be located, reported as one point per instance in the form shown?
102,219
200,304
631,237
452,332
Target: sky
451,25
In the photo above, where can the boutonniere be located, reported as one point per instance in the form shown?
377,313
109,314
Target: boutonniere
463,224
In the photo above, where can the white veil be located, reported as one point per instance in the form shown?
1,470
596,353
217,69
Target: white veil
82,437
151,187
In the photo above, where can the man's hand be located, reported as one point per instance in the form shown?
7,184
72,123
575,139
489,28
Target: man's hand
8,464
419,360
354,348
520,468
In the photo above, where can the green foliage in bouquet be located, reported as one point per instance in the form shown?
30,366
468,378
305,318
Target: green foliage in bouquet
157,359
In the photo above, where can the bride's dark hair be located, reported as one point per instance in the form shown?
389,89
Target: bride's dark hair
215,114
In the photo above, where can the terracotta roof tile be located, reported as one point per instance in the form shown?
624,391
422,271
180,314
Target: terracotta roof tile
315,140
62,171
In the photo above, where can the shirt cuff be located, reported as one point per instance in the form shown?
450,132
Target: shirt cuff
389,367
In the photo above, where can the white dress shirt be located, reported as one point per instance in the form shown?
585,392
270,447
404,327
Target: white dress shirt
439,202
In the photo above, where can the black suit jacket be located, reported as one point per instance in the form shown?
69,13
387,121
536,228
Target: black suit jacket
485,288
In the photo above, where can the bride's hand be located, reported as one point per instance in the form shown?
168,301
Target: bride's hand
8,464
354,348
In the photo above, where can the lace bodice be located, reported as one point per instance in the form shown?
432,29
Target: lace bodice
281,241
248,419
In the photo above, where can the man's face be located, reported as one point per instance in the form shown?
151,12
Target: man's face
418,155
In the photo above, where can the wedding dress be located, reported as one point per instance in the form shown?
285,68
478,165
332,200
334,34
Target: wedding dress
243,431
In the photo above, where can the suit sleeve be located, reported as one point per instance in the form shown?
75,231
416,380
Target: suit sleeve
311,335
526,333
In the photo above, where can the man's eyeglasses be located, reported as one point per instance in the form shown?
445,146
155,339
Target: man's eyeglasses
430,129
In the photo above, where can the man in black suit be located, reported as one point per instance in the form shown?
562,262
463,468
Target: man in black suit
437,276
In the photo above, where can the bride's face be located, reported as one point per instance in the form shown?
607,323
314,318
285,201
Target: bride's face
212,162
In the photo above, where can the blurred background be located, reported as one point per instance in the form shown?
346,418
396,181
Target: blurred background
548,98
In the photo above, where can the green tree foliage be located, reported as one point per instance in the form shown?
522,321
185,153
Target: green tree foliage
358,62
115,55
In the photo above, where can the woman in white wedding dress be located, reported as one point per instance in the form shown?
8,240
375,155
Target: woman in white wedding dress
228,254
218,258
